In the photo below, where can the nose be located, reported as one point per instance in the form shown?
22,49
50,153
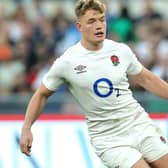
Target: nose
98,28
99,25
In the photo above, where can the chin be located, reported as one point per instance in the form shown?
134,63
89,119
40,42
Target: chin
99,40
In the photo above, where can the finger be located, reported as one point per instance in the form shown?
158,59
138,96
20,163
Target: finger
29,144
25,149
27,152
29,148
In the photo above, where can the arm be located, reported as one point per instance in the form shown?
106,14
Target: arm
34,109
151,82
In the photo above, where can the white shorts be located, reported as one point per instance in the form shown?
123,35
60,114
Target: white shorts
141,140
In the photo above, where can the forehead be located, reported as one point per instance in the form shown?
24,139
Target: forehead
93,14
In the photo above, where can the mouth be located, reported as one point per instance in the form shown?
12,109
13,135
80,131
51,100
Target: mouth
99,34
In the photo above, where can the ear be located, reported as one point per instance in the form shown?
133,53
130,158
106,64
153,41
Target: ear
79,26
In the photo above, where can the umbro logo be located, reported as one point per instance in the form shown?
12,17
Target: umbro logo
80,69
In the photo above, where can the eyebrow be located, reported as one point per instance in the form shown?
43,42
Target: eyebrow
90,19
102,17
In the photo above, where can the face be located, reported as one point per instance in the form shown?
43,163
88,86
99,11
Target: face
92,26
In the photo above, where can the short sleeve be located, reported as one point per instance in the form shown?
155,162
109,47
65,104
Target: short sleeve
54,77
134,67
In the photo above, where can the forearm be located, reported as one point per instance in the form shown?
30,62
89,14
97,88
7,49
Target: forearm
34,109
152,83
157,86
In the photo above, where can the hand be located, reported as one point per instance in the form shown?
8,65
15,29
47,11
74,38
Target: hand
26,141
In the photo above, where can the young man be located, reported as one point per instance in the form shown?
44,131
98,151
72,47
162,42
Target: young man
96,70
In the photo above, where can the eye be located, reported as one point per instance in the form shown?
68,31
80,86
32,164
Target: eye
90,21
102,19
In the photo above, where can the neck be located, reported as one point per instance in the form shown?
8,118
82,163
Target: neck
92,46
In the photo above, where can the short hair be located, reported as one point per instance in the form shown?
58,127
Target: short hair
83,5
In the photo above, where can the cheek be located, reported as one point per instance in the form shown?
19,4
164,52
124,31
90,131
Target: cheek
88,29
89,26
105,25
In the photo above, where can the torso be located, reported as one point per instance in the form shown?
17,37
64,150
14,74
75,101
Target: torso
99,82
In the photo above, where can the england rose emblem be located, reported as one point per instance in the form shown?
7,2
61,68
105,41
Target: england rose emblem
163,139
115,60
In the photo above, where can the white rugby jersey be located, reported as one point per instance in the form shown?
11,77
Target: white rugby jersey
98,80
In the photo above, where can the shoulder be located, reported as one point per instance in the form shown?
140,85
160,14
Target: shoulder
110,44
123,49
71,52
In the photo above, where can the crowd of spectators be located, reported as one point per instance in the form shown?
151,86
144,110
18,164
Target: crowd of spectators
28,47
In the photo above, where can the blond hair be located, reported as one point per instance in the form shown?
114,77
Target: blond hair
83,5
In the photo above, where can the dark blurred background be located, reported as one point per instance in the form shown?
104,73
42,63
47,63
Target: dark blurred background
33,33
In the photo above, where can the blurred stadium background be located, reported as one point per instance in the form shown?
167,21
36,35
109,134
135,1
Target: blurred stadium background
33,33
